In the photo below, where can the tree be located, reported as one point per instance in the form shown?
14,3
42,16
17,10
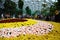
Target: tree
0,0
1,8
45,11
57,16
28,10
10,6
57,4
58,1
52,10
20,4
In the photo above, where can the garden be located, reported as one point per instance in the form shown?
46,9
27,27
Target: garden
14,25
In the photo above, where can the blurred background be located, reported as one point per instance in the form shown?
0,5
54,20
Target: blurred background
48,10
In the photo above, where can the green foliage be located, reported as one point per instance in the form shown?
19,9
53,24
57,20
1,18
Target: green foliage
44,5
52,10
57,4
54,7
0,0
20,4
28,10
45,12
58,0
10,6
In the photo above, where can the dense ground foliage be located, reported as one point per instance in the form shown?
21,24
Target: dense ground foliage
53,35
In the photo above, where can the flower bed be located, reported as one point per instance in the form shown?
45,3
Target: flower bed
37,28
53,35
14,24
12,20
